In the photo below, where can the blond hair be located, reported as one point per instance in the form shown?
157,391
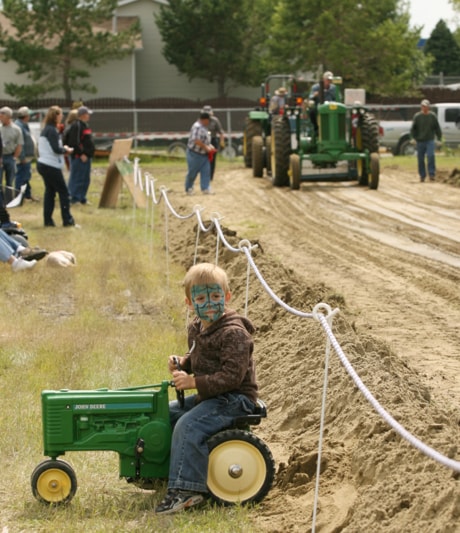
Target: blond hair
205,274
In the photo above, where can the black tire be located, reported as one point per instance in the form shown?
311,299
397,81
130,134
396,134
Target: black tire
257,156
268,154
374,173
406,148
294,171
367,138
54,482
281,148
251,130
177,149
241,468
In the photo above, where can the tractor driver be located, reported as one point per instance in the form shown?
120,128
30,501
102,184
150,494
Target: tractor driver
319,93
278,101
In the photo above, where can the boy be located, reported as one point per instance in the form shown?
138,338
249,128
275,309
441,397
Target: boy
220,366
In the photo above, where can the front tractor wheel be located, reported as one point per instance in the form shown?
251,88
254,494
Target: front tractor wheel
241,468
54,481
294,171
374,174
257,156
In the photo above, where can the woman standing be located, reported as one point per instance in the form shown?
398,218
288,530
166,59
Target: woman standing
49,165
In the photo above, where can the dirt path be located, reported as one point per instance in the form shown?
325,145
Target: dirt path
390,260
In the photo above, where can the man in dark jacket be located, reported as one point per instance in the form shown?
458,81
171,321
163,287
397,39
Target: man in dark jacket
425,127
80,138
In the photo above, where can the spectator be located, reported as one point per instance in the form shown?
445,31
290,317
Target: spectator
220,367
24,164
217,135
199,151
80,138
16,255
425,127
278,101
71,118
12,141
50,164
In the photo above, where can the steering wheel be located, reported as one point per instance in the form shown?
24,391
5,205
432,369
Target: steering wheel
179,393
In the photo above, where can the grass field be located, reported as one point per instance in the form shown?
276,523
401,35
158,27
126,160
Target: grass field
109,322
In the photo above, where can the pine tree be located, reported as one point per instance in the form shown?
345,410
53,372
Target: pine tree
444,49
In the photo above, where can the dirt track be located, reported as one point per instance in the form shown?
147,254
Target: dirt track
390,260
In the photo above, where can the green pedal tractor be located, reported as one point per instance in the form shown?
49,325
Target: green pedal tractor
134,423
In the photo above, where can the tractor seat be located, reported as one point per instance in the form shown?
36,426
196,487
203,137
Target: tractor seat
243,422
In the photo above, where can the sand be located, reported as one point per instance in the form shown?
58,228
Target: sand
389,261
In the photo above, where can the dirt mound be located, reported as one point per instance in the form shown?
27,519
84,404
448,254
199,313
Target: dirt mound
371,479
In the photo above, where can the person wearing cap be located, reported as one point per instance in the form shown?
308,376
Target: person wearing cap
49,165
217,135
325,91
12,141
80,138
425,127
199,152
24,163
278,101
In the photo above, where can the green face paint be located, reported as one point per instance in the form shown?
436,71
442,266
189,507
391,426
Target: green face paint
208,301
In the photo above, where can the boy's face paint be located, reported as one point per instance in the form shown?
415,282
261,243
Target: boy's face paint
208,301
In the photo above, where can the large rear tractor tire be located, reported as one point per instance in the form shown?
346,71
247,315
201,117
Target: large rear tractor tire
241,468
281,148
252,129
257,156
367,138
294,171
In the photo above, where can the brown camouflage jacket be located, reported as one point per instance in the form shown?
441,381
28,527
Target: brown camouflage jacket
220,356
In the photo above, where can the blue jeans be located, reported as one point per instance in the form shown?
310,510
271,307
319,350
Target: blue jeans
192,427
9,169
426,148
80,177
197,163
23,175
8,246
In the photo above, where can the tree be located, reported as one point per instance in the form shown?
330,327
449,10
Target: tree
54,42
216,40
443,47
368,43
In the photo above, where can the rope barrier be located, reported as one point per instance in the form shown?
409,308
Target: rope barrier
321,312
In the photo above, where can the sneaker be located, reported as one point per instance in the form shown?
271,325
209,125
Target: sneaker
189,192
29,254
208,191
432,178
21,264
178,500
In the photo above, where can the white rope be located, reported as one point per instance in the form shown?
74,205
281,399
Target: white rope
246,247
427,450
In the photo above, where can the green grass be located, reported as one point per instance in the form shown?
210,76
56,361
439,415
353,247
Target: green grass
110,322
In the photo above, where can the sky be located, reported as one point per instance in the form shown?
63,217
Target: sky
428,17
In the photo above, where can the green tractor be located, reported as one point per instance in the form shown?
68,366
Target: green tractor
257,131
340,144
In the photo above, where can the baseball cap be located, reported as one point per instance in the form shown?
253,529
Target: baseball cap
328,75
6,111
425,103
207,109
82,110
23,111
